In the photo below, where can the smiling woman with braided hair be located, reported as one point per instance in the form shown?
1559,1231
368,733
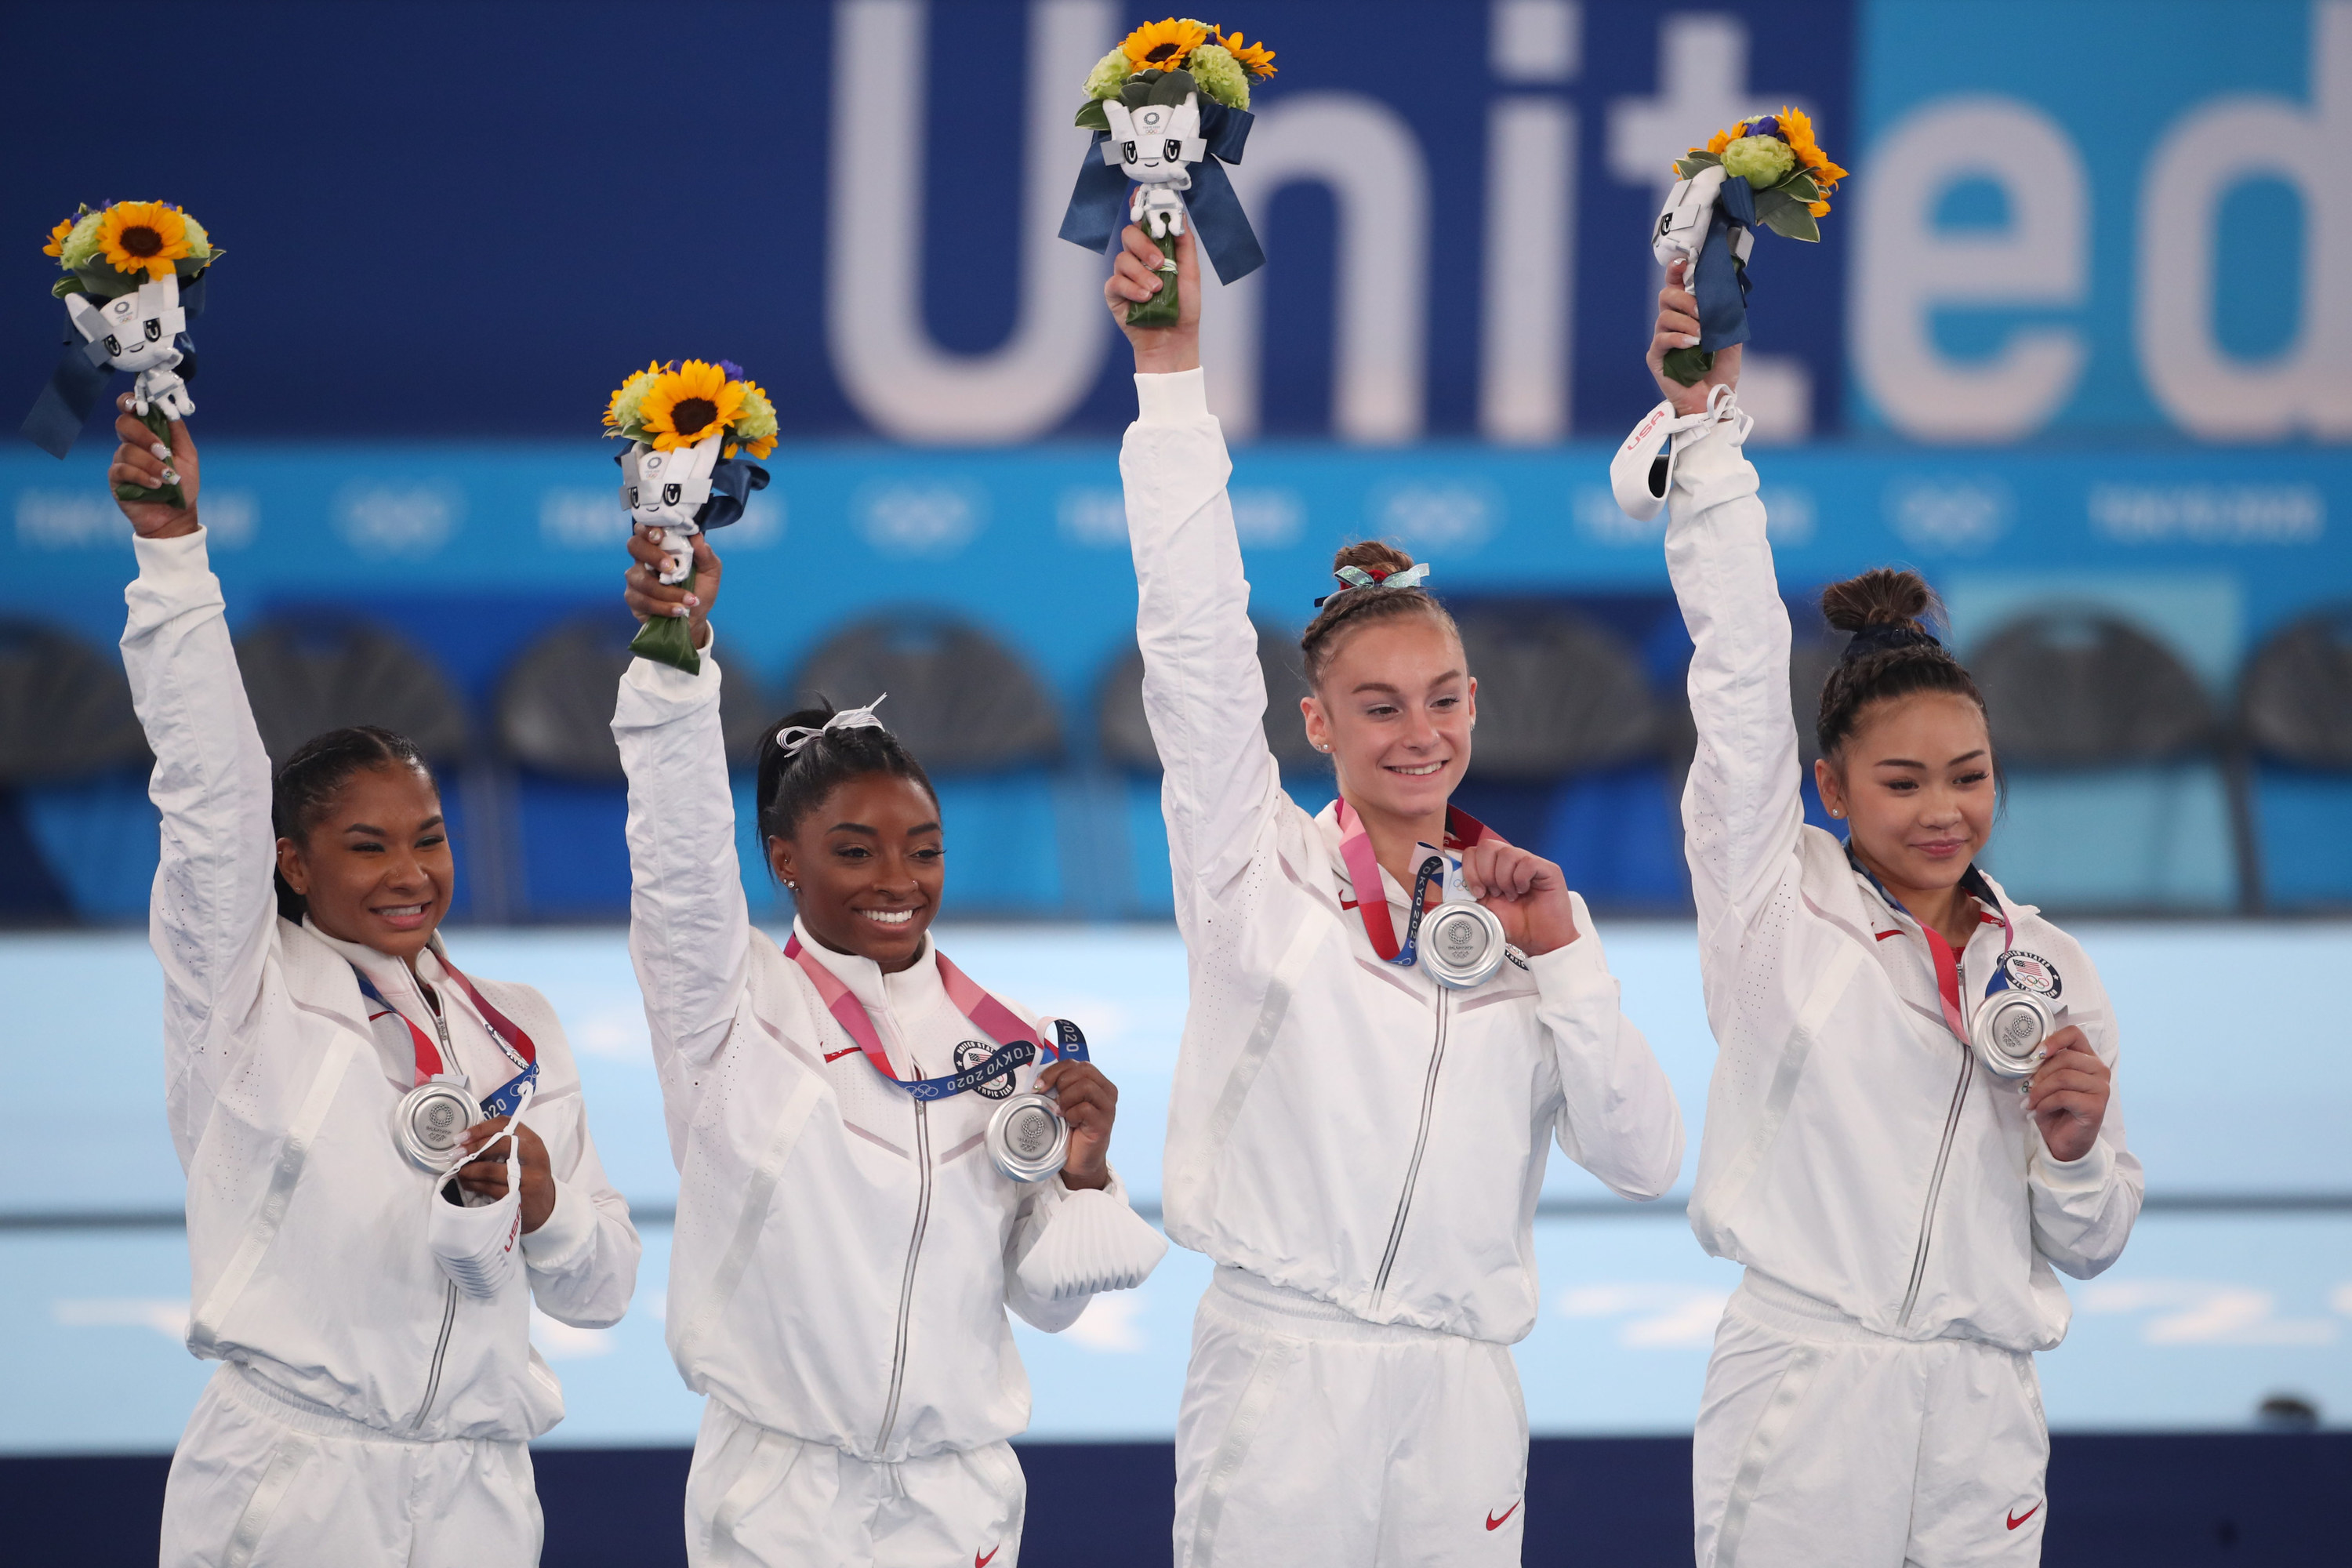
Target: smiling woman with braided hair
1394,1014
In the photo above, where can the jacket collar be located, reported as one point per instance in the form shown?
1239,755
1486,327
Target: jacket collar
917,985
1326,827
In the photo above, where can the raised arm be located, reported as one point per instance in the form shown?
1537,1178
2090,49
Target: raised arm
1742,808
689,931
1203,690
213,901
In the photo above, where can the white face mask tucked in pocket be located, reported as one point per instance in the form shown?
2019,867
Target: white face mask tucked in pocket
476,1245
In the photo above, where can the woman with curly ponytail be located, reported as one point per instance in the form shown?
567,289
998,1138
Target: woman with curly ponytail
1394,1014
1912,1124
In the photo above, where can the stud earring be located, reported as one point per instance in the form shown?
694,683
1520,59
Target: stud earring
791,887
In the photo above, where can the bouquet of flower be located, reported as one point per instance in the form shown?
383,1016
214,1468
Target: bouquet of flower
1168,107
1766,171
680,473
134,275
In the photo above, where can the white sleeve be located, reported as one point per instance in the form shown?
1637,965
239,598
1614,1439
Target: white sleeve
215,901
689,930
1620,1121
2083,1211
1203,690
583,1259
1743,806
1095,1236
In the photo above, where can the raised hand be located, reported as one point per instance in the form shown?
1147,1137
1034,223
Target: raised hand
2067,1095
1678,328
141,459
1135,276
650,598
1527,892
1090,1104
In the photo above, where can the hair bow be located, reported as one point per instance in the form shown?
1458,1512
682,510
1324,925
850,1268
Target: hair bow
1357,577
792,738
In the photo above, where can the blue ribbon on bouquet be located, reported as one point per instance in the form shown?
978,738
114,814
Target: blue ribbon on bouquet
1098,205
66,405
1721,284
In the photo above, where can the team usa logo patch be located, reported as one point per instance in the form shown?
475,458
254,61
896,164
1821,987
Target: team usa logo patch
2031,972
969,1055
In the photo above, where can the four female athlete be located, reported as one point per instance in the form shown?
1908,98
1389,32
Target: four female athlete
1368,1083
323,1060
853,1218
1912,1121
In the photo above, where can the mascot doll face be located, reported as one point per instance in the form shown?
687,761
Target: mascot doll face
1156,141
135,331
668,489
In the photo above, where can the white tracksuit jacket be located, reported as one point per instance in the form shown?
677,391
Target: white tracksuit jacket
843,1254
305,1225
1853,1152
1340,1127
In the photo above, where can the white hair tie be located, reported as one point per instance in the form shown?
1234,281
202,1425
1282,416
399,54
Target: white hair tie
793,737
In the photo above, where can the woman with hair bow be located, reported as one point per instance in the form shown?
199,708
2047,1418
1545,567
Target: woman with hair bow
858,1202
1394,1014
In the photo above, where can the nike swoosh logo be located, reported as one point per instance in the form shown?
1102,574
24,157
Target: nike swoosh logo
979,1562
2017,1519
1494,1523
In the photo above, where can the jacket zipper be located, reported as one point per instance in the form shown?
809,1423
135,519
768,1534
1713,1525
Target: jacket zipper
1420,1143
440,1351
1934,1187
914,1250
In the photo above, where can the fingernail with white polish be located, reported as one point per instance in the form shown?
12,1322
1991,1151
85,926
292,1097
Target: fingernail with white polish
160,449
170,477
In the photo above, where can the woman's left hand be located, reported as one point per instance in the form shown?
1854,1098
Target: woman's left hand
2068,1095
487,1172
1527,891
1090,1104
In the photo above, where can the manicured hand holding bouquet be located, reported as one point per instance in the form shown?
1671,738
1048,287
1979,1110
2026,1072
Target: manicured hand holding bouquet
1766,171
134,275
1168,107
684,426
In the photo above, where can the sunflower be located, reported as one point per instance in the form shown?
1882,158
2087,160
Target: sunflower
1256,58
142,236
689,404
1797,130
1162,46
56,245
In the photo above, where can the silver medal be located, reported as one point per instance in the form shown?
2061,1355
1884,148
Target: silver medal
1462,944
430,1121
1027,1137
2010,1031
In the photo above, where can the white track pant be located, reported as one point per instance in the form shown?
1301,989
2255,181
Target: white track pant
259,1481
758,1498
1822,1444
1309,1436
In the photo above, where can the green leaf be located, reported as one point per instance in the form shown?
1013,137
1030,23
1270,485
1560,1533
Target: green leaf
1686,168
1791,222
1687,365
1769,201
1092,118
65,285
1800,186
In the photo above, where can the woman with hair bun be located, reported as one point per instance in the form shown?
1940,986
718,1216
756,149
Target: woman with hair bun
857,1205
1911,1123
1394,1014
366,1245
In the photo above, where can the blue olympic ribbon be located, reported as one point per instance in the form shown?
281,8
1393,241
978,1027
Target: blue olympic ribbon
1722,282
502,1101
1098,207
1407,954
1071,1046
66,403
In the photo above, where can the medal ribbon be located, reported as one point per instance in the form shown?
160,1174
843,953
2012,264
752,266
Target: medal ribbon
990,1016
517,1045
1461,830
1947,961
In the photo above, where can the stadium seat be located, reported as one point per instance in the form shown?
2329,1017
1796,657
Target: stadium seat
2294,723
1124,737
555,703
2115,799
311,673
76,833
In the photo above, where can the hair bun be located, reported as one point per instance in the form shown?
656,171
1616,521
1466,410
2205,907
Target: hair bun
1371,555
1879,597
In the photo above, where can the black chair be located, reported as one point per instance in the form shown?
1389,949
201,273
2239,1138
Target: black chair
65,708
1125,735
555,702
2292,765
2295,699
1558,695
2081,689
962,701
308,674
